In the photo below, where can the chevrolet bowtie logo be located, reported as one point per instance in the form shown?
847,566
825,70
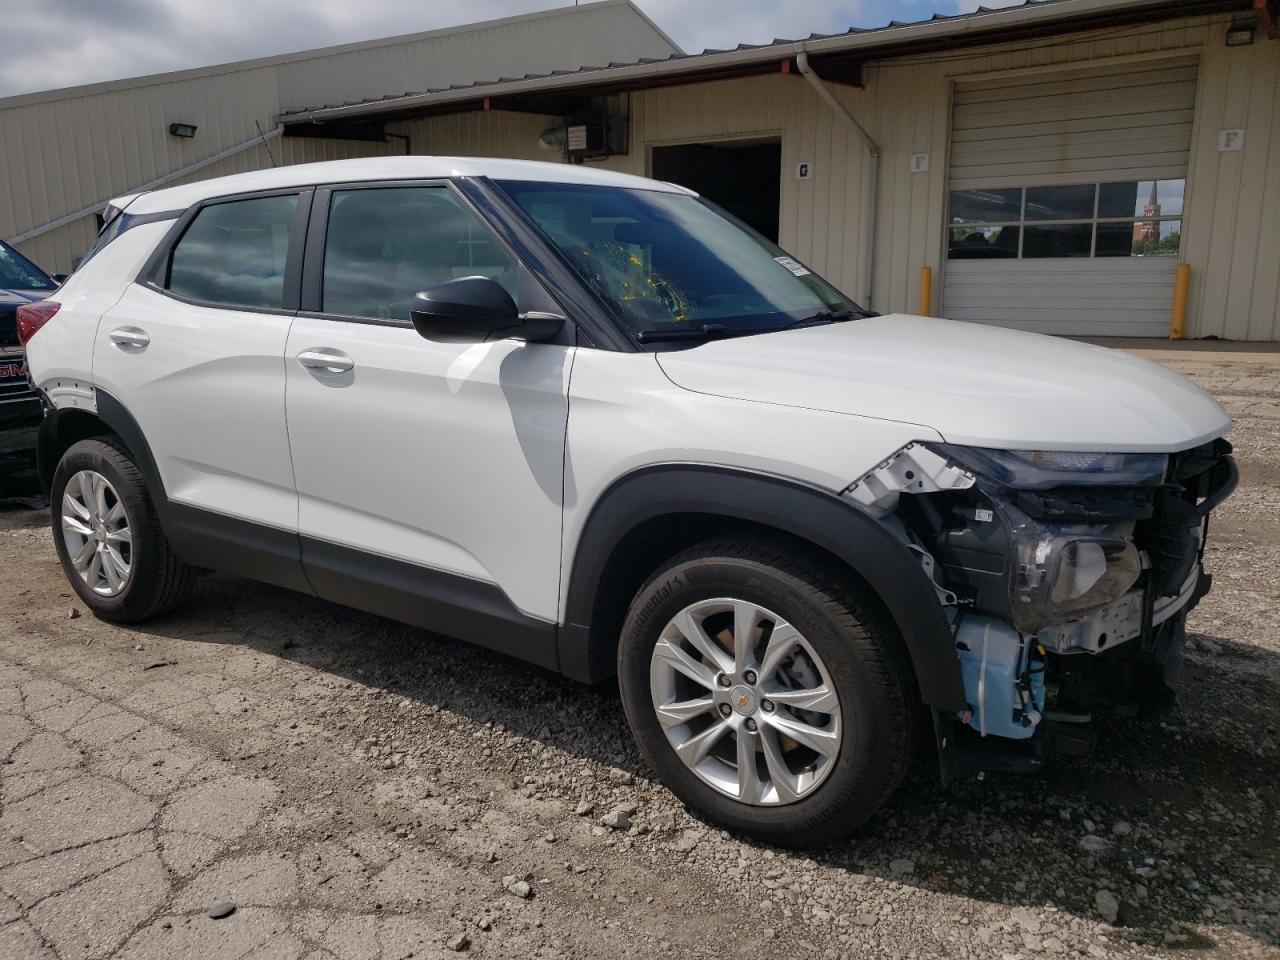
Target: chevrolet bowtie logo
742,700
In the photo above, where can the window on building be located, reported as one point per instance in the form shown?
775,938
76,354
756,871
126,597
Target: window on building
234,254
384,245
1133,218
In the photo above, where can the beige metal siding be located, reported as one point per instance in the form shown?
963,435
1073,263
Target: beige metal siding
69,149
1231,230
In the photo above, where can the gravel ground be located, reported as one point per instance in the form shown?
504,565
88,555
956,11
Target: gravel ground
342,786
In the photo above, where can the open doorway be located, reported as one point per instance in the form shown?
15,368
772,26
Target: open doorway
742,176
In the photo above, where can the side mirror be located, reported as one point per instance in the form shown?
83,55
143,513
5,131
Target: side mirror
474,310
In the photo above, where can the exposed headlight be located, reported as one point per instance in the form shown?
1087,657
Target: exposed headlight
1040,469
1064,573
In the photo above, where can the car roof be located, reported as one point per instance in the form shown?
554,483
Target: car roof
384,168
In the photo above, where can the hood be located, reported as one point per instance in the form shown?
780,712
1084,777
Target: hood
10,300
974,384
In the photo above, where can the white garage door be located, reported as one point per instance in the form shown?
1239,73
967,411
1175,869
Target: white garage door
1065,202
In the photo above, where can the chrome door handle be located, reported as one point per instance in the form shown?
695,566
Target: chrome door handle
129,337
328,362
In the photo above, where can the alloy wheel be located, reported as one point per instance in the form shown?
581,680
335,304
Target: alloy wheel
96,532
745,701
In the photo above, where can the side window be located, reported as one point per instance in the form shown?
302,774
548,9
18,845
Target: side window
385,244
234,253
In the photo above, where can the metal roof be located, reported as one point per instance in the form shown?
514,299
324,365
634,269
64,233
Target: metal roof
985,25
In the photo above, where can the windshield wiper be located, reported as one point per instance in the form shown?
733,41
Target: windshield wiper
829,316
708,331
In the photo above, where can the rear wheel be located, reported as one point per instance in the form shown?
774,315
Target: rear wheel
108,536
765,694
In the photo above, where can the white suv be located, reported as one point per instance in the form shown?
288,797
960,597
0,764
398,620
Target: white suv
590,421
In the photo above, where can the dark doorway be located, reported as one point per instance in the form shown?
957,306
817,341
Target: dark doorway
743,177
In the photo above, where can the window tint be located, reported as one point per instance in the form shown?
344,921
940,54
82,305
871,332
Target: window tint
383,245
234,253
1136,218
1146,238
983,243
1057,240
986,206
1060,203
1141,198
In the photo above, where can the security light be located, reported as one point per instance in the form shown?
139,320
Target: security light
187,130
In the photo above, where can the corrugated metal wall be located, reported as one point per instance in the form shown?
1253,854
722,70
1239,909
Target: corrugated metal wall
1231,228
65,150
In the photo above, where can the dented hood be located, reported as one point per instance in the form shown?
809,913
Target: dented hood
974,384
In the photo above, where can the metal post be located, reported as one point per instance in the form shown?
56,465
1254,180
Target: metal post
1181,289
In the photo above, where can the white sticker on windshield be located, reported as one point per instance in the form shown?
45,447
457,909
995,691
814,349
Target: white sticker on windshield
791,265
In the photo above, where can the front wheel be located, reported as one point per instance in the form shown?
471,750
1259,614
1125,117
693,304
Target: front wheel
766,694
108,536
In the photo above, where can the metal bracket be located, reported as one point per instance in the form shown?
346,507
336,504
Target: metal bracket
913,469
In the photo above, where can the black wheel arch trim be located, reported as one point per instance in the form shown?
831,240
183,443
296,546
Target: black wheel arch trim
812,514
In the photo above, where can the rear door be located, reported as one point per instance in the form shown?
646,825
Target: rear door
430,475
195,354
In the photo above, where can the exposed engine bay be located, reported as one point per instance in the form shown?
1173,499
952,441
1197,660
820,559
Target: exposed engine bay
1066,578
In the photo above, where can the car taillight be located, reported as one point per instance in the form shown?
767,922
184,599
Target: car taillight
33,316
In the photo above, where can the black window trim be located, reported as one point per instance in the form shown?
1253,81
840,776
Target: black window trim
154,274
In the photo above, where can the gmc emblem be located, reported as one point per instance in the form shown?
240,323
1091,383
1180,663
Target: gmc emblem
13,370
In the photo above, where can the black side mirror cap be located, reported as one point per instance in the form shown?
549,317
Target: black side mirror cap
475,310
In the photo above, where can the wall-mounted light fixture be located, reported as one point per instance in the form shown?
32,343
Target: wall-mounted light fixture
187,130
1240,33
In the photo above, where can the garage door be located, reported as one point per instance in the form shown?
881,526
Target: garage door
1065,201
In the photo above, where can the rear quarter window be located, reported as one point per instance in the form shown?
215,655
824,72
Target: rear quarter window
234,254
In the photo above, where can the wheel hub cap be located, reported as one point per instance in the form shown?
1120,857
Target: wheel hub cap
745,701
96,533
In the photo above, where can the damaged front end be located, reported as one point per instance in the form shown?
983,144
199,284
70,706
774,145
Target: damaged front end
1066,576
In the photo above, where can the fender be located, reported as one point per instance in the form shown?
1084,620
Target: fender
815,515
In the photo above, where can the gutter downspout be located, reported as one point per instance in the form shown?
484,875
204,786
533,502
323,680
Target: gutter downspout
873,169
261,138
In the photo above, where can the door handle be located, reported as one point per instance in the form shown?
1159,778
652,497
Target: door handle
129,337
326,361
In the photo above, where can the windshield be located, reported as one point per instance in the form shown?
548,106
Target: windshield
19,273
668,262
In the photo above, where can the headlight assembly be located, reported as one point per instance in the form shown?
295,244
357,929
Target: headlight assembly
1040,469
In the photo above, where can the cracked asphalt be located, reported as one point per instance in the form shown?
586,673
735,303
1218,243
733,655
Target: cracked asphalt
354,788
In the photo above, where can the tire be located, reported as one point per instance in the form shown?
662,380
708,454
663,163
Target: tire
156,580
847,640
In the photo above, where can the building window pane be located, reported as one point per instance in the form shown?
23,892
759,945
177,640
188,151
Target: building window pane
983,243
383,246
1060,203
1145,238
1141,198
986,206
1057,240
234,254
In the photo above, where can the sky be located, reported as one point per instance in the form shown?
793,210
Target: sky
47,44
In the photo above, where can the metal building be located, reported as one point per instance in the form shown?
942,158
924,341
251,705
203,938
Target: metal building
1052,166
66,152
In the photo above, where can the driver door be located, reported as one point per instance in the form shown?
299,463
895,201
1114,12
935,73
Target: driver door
429,475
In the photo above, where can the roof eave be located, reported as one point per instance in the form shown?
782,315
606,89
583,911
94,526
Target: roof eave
983,27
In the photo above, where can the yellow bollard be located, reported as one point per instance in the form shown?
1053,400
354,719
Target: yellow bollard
926,291
1181,288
